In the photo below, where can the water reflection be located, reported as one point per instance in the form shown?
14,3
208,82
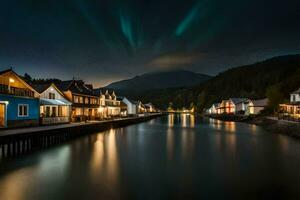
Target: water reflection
184,120
216,124
165,155
284,142
171,120
230,127
97,154
170,143
105,157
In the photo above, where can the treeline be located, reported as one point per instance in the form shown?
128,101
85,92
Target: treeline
274,78
31,80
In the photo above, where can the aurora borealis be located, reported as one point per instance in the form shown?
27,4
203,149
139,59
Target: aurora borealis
106,40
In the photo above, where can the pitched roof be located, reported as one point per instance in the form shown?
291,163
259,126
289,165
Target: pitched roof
5,71
296,92
216,105
260,102
20,78
40,88
77,87
238,100
132,101
97,91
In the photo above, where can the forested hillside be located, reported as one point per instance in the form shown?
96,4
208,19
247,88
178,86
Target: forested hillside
279,76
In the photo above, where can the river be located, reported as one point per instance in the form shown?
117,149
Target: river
171,157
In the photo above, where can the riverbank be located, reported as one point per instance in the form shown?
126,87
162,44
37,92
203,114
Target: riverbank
271,124
19,141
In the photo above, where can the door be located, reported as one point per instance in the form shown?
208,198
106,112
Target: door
2,115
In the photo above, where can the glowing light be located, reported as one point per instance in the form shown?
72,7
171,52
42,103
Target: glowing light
11,80
187,21
127,30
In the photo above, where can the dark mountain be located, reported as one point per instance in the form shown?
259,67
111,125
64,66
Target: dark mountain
160,80
253,81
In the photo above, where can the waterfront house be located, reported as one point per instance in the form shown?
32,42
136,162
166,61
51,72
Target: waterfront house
150,108
254,107
112,104
123,106
214,108
85,102
222,107
141,107
109,104
54,107
231,106
19,102
132,106
292,109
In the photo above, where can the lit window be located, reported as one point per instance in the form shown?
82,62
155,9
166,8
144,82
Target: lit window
23,110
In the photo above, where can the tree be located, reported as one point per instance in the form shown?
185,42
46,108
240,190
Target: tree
275,97
201,101
27,77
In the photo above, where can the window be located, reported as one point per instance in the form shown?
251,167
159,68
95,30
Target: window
86,100
51,95
22,110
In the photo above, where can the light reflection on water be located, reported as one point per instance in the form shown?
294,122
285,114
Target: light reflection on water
166,158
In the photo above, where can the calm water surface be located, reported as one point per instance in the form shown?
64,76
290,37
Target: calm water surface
173,157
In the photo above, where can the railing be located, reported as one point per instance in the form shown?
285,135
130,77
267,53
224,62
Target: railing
16,91
54,120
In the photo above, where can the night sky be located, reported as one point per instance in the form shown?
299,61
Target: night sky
106,40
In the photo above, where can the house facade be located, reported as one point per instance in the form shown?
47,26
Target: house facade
214,109
110,106
150,108
292,108
54,107
19,102
132,106
230,106
254,107
85,102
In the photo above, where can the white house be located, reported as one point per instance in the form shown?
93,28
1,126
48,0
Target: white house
109,104
214,108
150,107
231,106
54,107
295,96
132,106
254,107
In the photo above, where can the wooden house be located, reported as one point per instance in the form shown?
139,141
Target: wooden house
54,107
19,102
85,102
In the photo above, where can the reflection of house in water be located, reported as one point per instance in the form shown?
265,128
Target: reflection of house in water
187,120
170,142
215,123
105,156
230,126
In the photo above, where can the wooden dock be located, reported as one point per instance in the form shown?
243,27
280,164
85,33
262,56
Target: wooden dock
15,142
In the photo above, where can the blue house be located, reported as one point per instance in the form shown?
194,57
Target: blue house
19,102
